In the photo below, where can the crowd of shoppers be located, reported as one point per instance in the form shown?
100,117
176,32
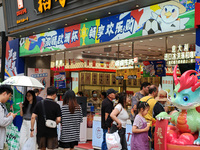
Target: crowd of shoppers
146,104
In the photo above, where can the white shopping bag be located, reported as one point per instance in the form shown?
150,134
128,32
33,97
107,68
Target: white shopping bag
30,144
113,141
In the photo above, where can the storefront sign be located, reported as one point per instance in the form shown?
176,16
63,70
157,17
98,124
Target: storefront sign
154,68
144,21
43,75
180,54
60,80
167,84
20,4
21,12
126,62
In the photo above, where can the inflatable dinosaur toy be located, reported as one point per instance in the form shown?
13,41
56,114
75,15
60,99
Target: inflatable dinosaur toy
187,99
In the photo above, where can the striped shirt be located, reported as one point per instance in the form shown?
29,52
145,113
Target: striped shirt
70,129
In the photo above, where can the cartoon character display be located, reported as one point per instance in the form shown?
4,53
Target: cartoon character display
187,99
167,20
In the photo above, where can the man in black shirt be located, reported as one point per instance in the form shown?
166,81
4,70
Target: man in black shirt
37,92
46,137
106,109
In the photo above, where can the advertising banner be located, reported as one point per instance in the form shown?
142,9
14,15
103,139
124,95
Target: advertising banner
154,68
167,84
128,74
60,80
43,75
14,66
75,79
163,17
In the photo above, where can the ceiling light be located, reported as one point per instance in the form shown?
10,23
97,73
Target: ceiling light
193,33
124,43
137,6
33,32
49,29
82,52
116,44
122,54
88,51
100,54
171,36
41,55
66,24
182,34
141,41
109,13
160,38
150,39
20,35
154,57
159,49
129,46
109,45
69,51
149,48
85,18
130,55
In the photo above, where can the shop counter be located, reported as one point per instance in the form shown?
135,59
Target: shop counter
97,133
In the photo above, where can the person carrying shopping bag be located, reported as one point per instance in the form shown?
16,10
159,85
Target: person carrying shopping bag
26,110
120,117
140,138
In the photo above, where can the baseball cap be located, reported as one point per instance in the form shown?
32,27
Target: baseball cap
109,91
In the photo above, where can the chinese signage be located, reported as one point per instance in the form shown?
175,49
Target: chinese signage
43,75
167,84
160,139
181,54
44,5
126,62
154,68
128,74
75,79
14,65
145,21
21,12
60,80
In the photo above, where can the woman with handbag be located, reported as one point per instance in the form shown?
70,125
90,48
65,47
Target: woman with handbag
70,121
120,117
26,110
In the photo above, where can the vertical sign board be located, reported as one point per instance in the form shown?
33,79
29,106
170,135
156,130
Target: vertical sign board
43,75
14,66
60,80
75,79
167,84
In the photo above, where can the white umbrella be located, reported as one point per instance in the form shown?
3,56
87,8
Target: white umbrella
23,81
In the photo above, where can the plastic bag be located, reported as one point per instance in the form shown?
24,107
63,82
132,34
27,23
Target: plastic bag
30,144
113,141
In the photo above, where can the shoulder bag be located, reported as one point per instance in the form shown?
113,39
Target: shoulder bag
49,123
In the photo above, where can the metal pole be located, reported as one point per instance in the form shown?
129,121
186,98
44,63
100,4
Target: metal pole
4,39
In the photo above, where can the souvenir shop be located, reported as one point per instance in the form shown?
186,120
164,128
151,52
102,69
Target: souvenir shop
120,51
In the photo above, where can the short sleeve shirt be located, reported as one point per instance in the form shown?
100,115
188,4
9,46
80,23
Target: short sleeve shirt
122,116
52,110
107,107
139,120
